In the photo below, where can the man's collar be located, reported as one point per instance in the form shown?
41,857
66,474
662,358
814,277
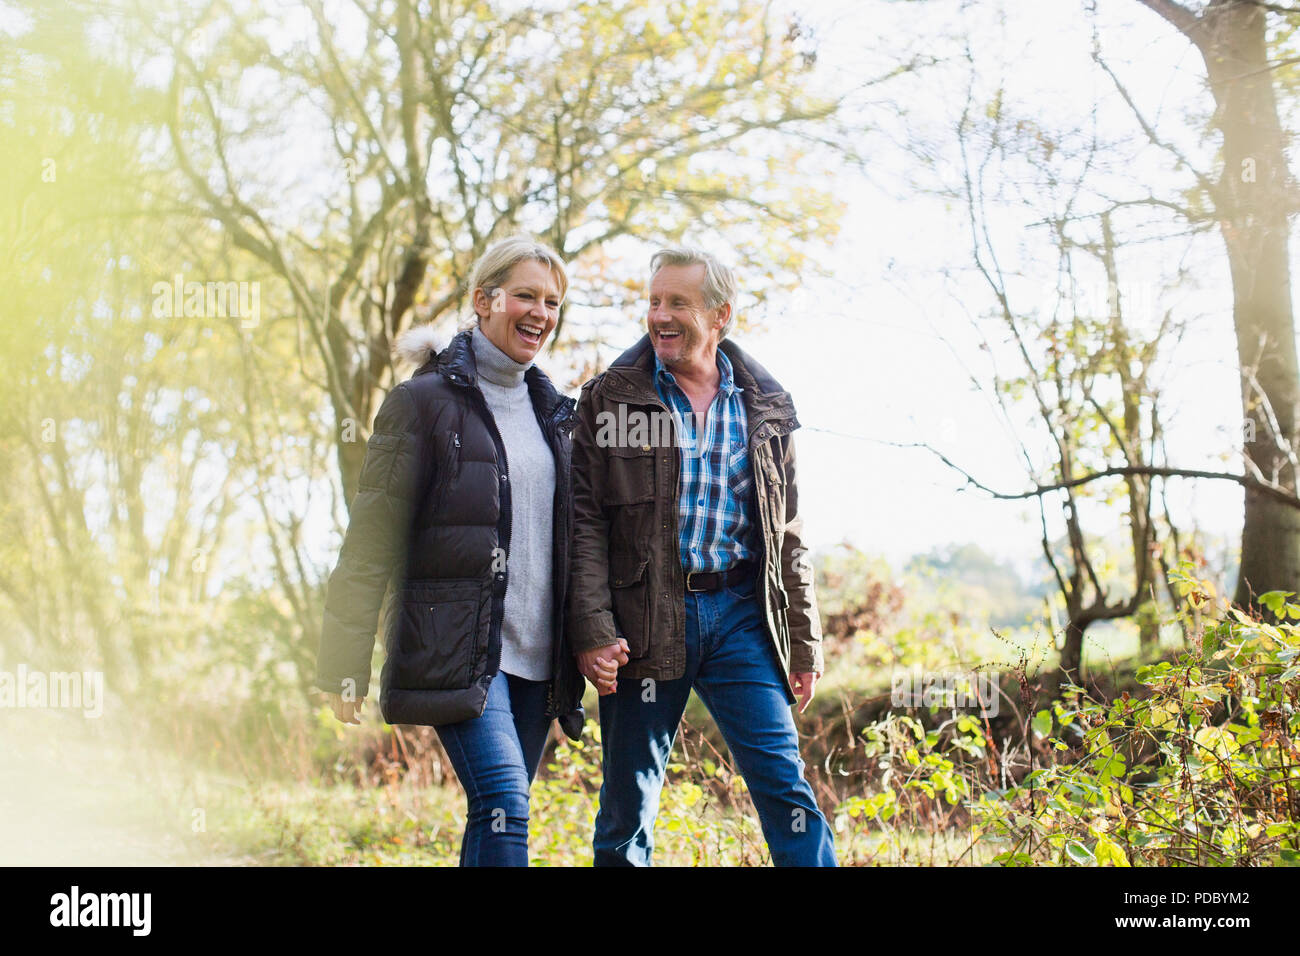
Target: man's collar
631,377
726,382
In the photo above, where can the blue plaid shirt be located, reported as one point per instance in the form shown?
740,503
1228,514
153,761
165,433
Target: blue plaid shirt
714,516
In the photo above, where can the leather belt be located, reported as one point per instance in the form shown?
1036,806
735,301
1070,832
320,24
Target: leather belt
714,580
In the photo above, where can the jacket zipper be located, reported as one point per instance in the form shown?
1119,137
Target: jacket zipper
552,432
503,523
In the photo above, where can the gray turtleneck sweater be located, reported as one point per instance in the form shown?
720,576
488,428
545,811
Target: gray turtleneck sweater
526,638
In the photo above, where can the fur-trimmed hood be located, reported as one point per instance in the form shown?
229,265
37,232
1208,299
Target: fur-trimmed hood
420,343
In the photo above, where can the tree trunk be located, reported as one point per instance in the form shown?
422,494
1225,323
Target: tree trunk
1254,205
1133,388
1254,199
1071,669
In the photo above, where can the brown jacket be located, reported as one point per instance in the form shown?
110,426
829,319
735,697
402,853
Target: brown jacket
626,576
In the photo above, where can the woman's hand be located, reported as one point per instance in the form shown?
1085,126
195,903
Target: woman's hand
600,666
348,711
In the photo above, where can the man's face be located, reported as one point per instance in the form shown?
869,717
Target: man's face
520,316
682,330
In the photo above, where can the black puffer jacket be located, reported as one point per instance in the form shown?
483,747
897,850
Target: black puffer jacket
431,517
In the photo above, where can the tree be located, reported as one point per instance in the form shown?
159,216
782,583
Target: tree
352,173
110,416
1079,367
445,125
1253,199
1085,369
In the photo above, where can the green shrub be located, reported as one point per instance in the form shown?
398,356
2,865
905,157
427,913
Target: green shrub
1202,771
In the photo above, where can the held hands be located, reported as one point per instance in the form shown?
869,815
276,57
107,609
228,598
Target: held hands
348,711
600,666
804,686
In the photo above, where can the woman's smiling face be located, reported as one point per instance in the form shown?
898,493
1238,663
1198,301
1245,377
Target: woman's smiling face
519,316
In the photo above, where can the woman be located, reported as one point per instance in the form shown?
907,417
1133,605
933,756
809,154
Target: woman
463,502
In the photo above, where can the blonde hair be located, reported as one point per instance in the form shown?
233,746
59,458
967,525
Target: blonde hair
493,267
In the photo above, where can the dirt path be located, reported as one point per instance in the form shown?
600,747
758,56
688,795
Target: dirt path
79,791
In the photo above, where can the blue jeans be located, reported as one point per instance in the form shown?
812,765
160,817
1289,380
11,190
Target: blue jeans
731,664
496,755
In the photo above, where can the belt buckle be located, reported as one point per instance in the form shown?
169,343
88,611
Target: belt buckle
688,582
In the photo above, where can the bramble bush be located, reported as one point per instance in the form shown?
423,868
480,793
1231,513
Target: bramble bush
1202,771
1198,767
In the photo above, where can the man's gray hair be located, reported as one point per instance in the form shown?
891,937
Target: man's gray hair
719,281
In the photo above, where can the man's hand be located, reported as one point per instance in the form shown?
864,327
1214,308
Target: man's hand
600,666
348,711
804,686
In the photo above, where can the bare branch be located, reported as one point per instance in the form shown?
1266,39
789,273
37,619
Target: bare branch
1276,492
1204,181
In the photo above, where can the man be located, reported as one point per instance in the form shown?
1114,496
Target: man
688,568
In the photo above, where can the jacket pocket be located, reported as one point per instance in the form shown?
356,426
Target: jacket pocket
449,468
380,462
629,595
630,475
437,637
